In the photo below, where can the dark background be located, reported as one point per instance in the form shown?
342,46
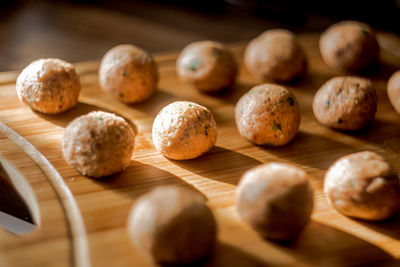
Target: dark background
84,30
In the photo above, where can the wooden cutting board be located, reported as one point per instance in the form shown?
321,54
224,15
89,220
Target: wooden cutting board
84,223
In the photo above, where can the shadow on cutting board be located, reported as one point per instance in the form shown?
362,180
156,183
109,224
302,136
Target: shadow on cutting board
317,245
388,227
219,164
140,178
322,245
80,109
233,94
384,134
311,150
224,255
153,105
228,255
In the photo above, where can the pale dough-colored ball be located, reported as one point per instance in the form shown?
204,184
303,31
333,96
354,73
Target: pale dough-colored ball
98,144
345,103
209,66
129,73
268,114
393,90
276,200
275,55
172,225
363,185
184,130
349,46
49,86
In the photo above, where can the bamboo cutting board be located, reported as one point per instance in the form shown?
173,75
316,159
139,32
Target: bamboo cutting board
82,221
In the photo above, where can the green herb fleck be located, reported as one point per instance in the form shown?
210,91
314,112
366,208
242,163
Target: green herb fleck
121,95
273,206
340,121
61,98
241,110
276,127
217,52
100,118
194,65
328,103
290,100
250,92
270,144
182,117
365,31
281,101
190,105
350,184
124,74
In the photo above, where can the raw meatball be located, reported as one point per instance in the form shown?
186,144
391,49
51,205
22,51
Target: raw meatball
172,225
208,65
129,73
184,130
276,200
275,55
345,103
363,185
393,90
98,144
49,85
349,46
268,114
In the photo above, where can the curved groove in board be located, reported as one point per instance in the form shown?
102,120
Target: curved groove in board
73,214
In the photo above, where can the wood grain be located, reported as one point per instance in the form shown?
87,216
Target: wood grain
331,239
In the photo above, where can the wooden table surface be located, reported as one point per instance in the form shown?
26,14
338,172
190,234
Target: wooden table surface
331,239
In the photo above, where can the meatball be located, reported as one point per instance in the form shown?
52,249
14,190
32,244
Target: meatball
349,46
184,130
129,73
172,225
98,144
209,66
393,90
276,200
268,114
345,103
275,55
363,185
49,85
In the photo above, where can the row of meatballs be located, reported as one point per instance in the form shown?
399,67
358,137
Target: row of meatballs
275,199
171,225
130,74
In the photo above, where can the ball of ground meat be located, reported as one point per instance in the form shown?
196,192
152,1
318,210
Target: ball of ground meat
275,55
363,185
393,90
184,130
345,103
209,66
276,200
49,85
349,46
98,144
268,114
129,73
172,225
